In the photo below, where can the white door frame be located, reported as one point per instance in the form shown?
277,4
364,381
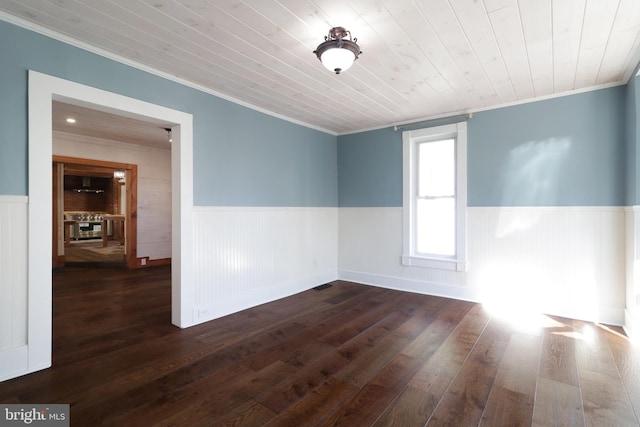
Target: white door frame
43,89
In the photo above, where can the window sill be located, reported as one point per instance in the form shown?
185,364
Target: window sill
438,263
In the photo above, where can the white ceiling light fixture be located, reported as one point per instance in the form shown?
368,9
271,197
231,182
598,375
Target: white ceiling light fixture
338,51
71,120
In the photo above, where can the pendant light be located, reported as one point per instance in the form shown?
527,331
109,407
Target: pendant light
338,51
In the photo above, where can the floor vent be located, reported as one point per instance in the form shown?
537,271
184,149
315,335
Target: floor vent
321,287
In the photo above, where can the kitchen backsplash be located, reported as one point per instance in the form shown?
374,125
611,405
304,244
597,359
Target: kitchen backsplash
86,201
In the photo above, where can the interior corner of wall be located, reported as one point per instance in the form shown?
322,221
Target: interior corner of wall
632,325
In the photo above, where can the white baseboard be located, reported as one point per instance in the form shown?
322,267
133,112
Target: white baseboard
14,362
408,285
258,296
606,315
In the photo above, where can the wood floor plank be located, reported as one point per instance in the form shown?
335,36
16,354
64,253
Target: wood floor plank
297,386
218,366
294,388
438,373
363,321
240,326
211,398
605,400
345,291
465,400
429,341
605,396
412,407
181,364
343,310
592,349
316,330
519,367
365,366
558,359
513,394
308,349
627,358
316,407
348,354
374,397
152,402
304,355
426,388
557,404
421,311
507,408
250,414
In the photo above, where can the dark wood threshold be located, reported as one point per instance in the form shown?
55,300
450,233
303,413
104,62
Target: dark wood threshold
153,262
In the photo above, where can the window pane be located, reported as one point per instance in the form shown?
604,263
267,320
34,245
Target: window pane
435,226
436,168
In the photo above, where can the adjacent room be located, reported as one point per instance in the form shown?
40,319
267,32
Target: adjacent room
321,212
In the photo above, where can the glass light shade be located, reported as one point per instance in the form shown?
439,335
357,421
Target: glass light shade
337,59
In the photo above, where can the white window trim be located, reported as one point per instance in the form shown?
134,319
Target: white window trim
410,139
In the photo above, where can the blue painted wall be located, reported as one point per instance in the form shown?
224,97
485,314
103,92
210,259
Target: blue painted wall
573,150
567,151
370,169
633,139
241,157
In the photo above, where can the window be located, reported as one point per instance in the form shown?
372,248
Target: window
435,199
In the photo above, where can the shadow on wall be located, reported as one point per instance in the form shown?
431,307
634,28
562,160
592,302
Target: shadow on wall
541,261
532,177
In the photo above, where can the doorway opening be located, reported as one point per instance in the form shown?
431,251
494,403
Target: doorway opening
94,213
43,90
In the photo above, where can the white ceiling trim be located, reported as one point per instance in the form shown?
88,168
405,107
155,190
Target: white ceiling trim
126,61
496,15
493,107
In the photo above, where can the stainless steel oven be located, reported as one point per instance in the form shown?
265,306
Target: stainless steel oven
88,225
89,230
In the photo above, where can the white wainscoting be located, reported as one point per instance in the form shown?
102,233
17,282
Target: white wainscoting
632,312
245,256
567,261
13,285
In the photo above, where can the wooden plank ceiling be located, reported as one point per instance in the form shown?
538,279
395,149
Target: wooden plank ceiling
421,58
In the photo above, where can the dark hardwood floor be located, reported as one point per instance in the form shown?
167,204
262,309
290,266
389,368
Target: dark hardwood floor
350,355
92,251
